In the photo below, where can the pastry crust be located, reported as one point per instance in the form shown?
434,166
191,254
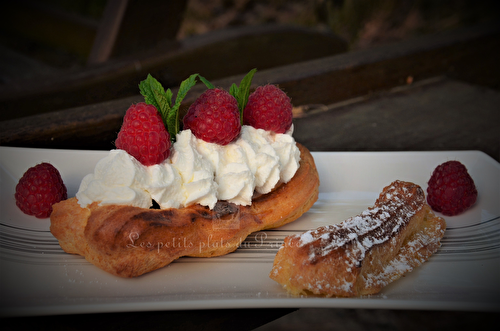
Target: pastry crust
364,253
130,241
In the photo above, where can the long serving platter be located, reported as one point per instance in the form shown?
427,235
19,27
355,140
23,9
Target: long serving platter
38,278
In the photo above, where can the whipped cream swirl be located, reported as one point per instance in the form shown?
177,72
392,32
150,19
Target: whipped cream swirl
197,172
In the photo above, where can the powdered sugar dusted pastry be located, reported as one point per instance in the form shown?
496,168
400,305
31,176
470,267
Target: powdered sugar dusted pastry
364,253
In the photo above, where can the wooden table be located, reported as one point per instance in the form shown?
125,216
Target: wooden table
436,93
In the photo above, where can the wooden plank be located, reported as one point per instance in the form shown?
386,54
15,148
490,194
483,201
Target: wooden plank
437,114
465,54
108,31
45,23
89,127
217,55
325,81
468,54
147,25
126,26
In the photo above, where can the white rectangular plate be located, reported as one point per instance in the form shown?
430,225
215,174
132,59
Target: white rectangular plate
38,278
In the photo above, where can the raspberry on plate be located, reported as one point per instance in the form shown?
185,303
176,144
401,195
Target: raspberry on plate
268,108
214,117
38,189
143,135
451,189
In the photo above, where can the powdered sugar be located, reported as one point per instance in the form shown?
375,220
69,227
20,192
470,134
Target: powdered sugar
372,227
306,238
366,252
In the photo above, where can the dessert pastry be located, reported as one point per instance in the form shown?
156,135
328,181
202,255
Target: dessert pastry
364,253
129,241
214,182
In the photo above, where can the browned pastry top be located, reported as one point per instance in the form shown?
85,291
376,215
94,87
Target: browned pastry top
364,253
391,213
129,241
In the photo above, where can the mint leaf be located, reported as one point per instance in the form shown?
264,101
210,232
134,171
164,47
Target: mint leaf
146,91
163,102
152,91
234,90
173,122
206,82
185,86
155,95
168,95
242,92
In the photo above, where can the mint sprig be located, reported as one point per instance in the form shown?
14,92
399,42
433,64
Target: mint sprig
154,94
206,82
242,92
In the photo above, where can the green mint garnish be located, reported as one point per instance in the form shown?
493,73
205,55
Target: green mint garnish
173,116
242,92
206,82
155,95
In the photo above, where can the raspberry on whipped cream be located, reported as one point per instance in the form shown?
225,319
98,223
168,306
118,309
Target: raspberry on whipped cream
196,172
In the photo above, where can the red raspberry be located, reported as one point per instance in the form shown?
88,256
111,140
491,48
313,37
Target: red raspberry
451,189
214,117
38,189
143,135
268,108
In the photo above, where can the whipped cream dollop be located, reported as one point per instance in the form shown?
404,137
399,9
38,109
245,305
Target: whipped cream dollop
197,172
